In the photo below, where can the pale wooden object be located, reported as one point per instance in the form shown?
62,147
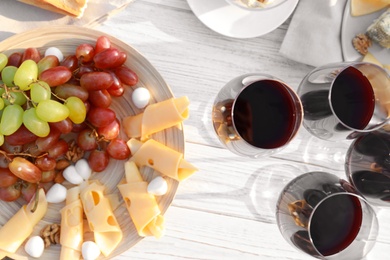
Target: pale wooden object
67,38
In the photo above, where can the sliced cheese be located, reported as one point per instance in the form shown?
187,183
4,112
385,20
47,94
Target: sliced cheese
21,224
71,237
101,218
161,158
369,57
156,117
141,205
74,8
363,7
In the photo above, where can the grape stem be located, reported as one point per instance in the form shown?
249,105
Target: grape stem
7,95
7,155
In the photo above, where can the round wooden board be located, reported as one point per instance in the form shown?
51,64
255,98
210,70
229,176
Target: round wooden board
67,38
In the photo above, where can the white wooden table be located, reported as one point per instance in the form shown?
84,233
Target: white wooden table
213,215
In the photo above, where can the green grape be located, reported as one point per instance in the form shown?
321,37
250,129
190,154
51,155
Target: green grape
40,90
26,74
8,74
15,98
1,104
52,111
77,110
36,125
11,119
3,61
1,139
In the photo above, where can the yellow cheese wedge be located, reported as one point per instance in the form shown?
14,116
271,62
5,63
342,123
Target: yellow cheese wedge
369,57
74,8
141,205
71,237
156,117
161,158
22,224
101,218
363,7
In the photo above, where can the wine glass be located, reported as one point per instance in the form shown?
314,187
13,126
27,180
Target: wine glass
322,215
367,166
342,100
256,115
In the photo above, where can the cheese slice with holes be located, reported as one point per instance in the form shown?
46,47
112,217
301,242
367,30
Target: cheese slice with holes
160,158
22,224
156,117
71,236
101,219
141,205
363,7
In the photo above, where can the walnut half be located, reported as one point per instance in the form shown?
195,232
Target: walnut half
361,43
51,234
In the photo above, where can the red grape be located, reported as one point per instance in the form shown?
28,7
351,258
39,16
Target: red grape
15,59
47,62
56,76
99,116
45,163
58,149
44,143
71,62
118,149
110,131
100,98
7,178
48,176
126,75
10,193
97,80
31,54
20,137
102,43
98,160
109,58
28,191
25,170
70,90
86,140
85,52
65,126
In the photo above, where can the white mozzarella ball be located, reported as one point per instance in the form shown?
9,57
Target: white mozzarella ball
54,51
71,175
56,194
90,250
34,246
158,186
140,97
83,169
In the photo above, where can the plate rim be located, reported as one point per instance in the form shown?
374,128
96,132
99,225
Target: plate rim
6,45
255,17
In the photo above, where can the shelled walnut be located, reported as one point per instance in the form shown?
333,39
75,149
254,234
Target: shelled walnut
51,234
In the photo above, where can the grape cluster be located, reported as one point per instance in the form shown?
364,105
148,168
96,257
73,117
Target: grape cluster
50,104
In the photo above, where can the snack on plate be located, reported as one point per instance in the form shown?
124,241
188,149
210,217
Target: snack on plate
21,225
141,205
161,158
74,8
256,3
363,7
71,237
101,218
156,117
379,30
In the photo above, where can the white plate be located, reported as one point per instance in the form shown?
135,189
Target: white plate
353,25
232,21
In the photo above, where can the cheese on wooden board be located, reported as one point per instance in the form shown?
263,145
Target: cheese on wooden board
160,158
71,236
101,218
156,117
141,205
22,224
363,7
